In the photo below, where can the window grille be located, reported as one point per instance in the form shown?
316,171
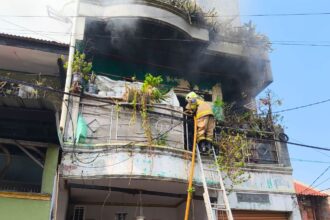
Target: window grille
79,213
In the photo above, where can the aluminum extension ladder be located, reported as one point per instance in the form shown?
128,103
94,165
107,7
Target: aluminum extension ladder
222,203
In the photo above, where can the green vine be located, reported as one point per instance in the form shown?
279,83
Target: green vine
233,154
238,127
191,190
81,68
140,99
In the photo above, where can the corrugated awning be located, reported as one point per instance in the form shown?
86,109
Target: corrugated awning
302,189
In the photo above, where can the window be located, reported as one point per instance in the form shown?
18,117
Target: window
263,152
18,172
121,216
79,213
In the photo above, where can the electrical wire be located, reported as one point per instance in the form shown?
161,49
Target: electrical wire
35,32
223,39
74,138
130,144
61,33
320,152
309,161
127,104
324,189
106,198
204,15
322,182
311,185
302,106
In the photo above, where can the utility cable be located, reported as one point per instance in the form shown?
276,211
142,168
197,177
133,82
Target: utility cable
299,42
35,32
106,198
322,182
302,106
320,152
127,104
203,14
311,185
247,44
309,161
324,189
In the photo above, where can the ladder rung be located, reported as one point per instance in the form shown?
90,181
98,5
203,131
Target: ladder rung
213,170
215,189
219,189
218,204
219,207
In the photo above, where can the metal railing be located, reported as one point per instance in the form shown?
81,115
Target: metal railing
109,124
122,125
11,186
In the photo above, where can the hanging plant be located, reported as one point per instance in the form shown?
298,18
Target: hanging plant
140,99
234,151
81,70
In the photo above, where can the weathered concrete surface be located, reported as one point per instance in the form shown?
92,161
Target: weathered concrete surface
267,181
126,162
159,14
110,124
277,202
159,163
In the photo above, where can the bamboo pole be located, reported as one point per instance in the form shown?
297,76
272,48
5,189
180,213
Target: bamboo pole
192,169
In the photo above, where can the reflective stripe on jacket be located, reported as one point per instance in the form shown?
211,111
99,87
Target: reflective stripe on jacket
203,109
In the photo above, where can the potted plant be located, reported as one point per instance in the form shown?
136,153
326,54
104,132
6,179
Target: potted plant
81,70
92,88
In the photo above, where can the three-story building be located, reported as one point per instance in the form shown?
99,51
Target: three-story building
108,170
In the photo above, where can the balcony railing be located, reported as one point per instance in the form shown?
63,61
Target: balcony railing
10,186
119,125
109,124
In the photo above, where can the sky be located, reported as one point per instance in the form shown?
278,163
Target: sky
301,76
42,27
301,73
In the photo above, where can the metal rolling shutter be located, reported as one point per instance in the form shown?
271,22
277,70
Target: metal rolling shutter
256,215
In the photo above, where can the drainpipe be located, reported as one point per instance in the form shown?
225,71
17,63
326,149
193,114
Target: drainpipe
65,102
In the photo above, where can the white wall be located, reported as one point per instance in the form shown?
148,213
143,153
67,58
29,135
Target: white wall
95,212
62,201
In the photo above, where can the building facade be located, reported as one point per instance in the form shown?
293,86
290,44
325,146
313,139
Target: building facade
313,204
29,139
114,173
107,168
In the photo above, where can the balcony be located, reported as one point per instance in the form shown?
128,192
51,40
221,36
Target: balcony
165,13
162,36
117,146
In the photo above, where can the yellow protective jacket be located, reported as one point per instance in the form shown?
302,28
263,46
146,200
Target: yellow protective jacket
203,108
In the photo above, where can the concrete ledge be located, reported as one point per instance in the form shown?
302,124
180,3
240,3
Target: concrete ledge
269,168
22,195
236,49
143,11
125,146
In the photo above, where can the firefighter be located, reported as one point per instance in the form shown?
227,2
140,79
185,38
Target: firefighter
205,120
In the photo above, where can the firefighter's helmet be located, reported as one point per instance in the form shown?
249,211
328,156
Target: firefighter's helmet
191,96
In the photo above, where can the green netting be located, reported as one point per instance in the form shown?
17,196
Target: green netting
81,132
218,113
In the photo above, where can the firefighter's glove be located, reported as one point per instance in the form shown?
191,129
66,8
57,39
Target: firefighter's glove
189,112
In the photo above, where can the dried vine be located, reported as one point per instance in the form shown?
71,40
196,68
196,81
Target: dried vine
237,132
